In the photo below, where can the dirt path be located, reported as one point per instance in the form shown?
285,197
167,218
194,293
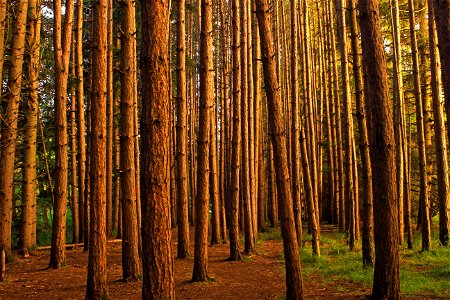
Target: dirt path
260,276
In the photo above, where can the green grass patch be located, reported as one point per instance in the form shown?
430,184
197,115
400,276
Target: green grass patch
421,273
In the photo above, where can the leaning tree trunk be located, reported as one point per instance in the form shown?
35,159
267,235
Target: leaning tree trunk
291,254
157,259
386,284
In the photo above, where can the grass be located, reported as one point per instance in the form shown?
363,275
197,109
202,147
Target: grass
421,273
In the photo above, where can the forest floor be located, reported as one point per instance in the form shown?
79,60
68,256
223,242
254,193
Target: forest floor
260,276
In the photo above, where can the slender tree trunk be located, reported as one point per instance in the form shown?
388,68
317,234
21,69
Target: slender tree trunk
294,288
157,259
130,241
400,132
423,200
181,136
214,179
245,166
235,253
200,272
62,38
28,226
3,6
439,136
348,126
109,120
294,125
73,153
366,169
386,283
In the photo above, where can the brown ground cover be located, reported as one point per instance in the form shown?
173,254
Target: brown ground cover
260,276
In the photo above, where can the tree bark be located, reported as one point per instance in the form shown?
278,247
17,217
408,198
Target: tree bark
291,255
156,237
200,272
439,137
181,136
9,125
386,283
62,44
28,226
235,253
96,279
130,241
423,200
366,168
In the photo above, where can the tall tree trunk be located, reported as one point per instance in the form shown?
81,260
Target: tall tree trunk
348,126
439,136
3,6
236,139
181,138
214,178
156,237
200,272
9,125
442,17
109,120
386,283
96,279
73,153
294,125
130,241
294,288
366,169
338,127
62,42
245,166
28,226
423,200
404,199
